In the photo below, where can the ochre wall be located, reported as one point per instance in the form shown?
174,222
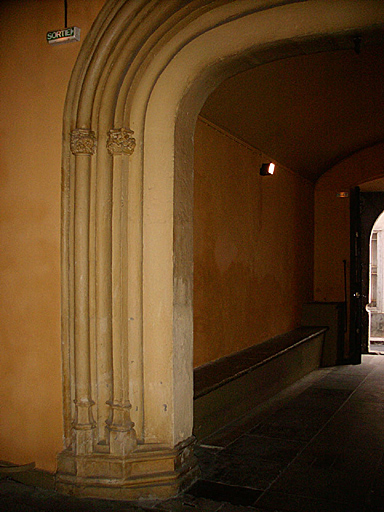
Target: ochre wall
253,235
33,82
253,246
332,219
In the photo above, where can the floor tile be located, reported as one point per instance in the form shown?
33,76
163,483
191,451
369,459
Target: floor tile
352,434
376,375
293,423
206,457
320,393
353,369
356,463
228,507
346,382
221,492
341,477
261,447
290,503
319,483
377,487
369,393
189,503
225,437
244,471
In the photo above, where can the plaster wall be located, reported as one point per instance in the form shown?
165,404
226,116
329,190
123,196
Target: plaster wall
253,246
33,82
332,219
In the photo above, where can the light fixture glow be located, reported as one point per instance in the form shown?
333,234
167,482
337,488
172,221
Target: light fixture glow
267,169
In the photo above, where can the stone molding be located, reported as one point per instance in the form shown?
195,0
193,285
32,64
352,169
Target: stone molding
83,142
83,417
127,302
123,423
121,142
144,474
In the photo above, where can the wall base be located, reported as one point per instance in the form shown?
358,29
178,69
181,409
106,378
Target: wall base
33,477
151,472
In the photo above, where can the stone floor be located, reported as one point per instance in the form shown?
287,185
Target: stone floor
317,446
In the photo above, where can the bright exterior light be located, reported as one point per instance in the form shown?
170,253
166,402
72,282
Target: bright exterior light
267,169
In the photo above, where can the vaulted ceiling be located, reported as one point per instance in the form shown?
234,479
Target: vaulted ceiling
308,111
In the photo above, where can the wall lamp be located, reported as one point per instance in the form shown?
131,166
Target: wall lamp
267,169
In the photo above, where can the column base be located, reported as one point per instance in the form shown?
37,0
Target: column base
151,471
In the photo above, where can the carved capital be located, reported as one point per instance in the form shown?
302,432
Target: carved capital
121,142
83,142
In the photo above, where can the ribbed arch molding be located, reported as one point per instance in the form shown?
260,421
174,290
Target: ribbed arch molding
142,76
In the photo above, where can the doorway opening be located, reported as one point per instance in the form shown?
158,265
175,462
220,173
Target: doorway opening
375,306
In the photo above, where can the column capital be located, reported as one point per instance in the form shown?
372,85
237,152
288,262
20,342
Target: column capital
83,141
121,142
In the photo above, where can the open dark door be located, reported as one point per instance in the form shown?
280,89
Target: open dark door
371,207
365,209
355,326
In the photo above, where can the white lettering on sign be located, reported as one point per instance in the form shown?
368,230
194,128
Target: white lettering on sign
64,35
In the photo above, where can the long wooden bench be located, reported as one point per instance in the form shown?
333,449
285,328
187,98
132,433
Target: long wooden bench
230,387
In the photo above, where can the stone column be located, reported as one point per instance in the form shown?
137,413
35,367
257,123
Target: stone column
117,467
83,146
101,198
122,436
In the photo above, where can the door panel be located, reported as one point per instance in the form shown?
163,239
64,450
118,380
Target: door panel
371,206
355,279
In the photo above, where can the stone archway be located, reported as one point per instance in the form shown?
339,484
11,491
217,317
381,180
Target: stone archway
141,78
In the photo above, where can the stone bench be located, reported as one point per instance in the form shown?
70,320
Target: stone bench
230,387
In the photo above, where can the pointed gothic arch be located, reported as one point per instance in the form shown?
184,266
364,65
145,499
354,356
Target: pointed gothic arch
142,75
